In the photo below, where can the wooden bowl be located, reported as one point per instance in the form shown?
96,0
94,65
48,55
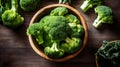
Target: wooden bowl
46,10
96,58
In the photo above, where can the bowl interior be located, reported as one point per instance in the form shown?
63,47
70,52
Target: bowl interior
46,10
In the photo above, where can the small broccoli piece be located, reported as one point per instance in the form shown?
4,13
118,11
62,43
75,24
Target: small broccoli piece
77,29
71,45
64,1
4,5
74,23
29,5
109,52
37,31
87,4
54,51
104,16
59,11
47,40
56,26
72,18
10,17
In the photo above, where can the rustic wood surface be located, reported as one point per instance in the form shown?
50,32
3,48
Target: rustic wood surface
15,50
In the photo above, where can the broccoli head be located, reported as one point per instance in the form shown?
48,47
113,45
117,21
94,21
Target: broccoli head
74,23
29,5
59,11
64,1
77,29
71,44
37,31
54,51
56,26
109,52
72,18
104,16
87,4
10,17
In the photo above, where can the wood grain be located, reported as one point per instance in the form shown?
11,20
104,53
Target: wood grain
15,50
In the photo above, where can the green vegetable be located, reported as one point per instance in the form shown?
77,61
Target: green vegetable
87,4
71,44
10,17
58,33
54,51
72,18
74,23
4,5
64,1
29,5
59,11
77,29
104,16
37,31
109,52
55,26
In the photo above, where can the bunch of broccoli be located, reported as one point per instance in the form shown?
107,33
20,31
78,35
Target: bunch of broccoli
9,13
104,12
59,33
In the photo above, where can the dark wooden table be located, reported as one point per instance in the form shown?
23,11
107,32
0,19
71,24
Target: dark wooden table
15,50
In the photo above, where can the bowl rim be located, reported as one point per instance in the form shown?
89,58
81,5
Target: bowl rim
38,51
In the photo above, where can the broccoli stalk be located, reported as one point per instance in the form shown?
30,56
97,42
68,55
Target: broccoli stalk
54,51
104,16
10,17
64,1
87,4
97,22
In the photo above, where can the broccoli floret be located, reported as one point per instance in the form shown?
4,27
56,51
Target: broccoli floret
37,31
10,17
77,29
29,5
64,1
109,52
56,26
47,40
59,11
4,5
74,23
54,51
104,16
71,44
87,4
72,18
